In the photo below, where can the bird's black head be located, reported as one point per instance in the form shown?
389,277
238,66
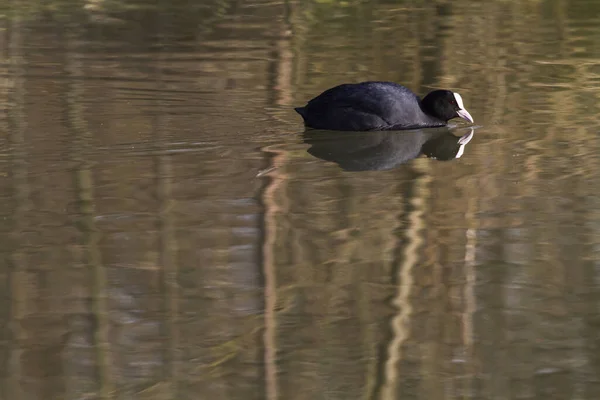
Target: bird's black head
445,105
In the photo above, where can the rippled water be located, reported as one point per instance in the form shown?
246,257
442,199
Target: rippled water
168,230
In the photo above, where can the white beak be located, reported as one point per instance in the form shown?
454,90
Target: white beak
464,114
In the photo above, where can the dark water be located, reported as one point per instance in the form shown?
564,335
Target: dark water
165,234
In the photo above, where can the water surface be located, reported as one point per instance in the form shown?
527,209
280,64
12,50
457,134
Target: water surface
166,233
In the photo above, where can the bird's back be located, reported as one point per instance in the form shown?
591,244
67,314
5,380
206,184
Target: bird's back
370,105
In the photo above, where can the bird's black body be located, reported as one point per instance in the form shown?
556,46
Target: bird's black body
376,106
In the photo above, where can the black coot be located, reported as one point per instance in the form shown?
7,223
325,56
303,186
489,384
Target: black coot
377,106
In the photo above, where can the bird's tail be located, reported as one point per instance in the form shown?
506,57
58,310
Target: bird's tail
301,111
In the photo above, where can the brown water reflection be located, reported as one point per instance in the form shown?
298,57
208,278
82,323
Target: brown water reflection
143,258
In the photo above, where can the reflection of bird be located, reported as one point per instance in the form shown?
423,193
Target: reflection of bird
376,106
384,150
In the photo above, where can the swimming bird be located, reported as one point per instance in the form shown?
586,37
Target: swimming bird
378,106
